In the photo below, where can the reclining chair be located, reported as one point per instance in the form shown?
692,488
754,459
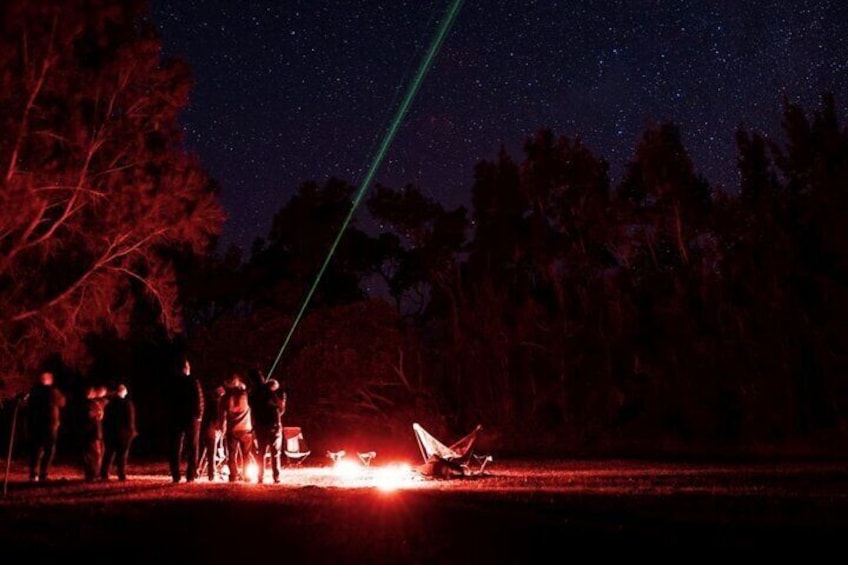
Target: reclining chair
455,460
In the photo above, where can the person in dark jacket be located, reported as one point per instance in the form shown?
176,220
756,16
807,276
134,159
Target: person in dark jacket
95,408
240,446
118,433
186,413
44,417
268,407
213,428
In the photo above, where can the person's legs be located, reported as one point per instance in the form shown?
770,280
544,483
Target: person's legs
210,443
47,452
122,453
108,454
175,449
232,457
192,441
221,452
35,456
275,446
90,460
261,448
98,456
248,449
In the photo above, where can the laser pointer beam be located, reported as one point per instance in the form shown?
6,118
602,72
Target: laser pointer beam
414,86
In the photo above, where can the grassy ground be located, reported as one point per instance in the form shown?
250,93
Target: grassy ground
517,512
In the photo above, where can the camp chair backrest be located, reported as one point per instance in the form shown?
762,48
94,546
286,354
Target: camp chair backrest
295,446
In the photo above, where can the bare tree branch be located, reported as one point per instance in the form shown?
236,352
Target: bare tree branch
45,66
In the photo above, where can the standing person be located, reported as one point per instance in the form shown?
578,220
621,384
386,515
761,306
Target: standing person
118,433
213,428
44,417
269,405
95,408
239,427
186,413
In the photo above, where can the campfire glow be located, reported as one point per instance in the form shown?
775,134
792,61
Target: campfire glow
347,468
251,472
392,477
362,473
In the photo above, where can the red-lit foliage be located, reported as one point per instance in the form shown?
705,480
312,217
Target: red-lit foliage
97,194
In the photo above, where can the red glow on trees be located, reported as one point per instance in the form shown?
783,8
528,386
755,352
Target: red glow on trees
97,193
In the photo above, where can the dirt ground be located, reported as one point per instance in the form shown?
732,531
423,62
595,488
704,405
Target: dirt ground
515,512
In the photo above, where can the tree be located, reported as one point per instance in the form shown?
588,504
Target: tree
302,231
98,194
418,260
814,167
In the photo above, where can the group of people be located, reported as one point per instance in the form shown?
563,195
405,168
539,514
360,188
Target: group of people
223,427
108,429
241,418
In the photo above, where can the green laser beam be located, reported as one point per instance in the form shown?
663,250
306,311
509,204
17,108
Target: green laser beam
414,86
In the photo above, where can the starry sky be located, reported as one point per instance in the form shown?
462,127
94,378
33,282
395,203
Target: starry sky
294,90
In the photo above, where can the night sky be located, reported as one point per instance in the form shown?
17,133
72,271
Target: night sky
295,90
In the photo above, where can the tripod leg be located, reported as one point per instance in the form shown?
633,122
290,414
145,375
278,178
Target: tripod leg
11,446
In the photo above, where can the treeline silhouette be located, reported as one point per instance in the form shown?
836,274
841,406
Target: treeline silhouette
565,314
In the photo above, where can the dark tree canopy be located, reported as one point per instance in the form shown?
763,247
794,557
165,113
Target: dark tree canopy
568,314
98,194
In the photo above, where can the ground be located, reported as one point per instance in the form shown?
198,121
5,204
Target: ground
515,512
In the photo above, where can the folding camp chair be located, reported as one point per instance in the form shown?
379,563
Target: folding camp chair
367,457
218,459
295,446
455,460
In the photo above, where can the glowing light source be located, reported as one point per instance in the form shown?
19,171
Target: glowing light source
347,468
392,477
356,472
251,472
